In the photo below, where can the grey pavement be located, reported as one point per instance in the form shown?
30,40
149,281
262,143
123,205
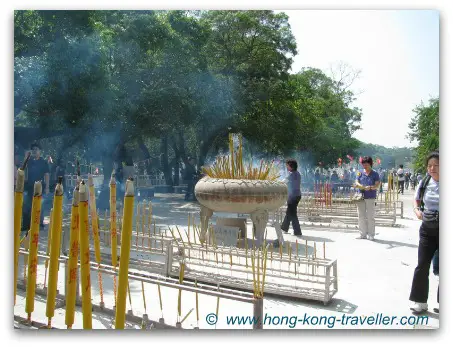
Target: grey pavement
374,279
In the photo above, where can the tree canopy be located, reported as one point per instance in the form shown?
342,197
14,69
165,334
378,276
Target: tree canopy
168,84
390,157
424,128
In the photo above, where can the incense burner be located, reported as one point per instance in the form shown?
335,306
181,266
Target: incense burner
254,197
239,195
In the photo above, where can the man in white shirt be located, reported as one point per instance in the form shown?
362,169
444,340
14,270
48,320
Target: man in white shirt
400,175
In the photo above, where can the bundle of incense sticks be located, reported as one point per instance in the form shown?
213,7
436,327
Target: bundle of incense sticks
259,267
232,166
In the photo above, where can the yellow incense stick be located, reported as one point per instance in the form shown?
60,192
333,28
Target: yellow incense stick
196,302
187,315
180,236
160,300
143,294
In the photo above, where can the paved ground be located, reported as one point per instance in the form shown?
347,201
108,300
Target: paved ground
374,278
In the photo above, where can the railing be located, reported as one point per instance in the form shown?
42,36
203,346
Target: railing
312,210
144,181
70,180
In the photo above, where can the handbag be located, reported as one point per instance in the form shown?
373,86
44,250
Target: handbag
358,196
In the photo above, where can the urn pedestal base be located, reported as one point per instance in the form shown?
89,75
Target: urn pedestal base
253,197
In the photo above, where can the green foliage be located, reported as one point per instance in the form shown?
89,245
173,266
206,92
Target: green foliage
390,157
425,130
186,77
326,121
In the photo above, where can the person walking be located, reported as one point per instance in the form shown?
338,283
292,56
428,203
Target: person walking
413,180
401,179
406,180
426,208
367,182
37,170
395,179
390,180
294,196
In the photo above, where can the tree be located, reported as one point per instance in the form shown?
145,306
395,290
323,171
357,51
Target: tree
174,83
390,157
425,130
326,116
250,53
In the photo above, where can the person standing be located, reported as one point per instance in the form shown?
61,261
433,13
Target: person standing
294,196
317,176
426,208
401,179
381,179
60,171
334,179
37,170
368,182
190,177
345,176
351,179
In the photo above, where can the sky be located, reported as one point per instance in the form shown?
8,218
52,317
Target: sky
396,51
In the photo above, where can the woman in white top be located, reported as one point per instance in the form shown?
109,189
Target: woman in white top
426,208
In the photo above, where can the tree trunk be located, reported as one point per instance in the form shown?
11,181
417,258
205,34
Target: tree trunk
182,147
206,145
107,164
166,168
176,176
176,163
146,155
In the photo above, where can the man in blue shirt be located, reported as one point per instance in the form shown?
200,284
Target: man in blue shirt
367,182
294,196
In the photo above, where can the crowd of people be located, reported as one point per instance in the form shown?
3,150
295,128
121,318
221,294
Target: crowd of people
368,181
342,178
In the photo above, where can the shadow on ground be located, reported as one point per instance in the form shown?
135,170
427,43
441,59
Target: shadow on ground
335,305
393,244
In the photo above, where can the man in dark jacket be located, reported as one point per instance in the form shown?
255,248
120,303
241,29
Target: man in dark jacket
37,170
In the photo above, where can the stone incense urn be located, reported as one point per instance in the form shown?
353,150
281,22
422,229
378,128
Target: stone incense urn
254,197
